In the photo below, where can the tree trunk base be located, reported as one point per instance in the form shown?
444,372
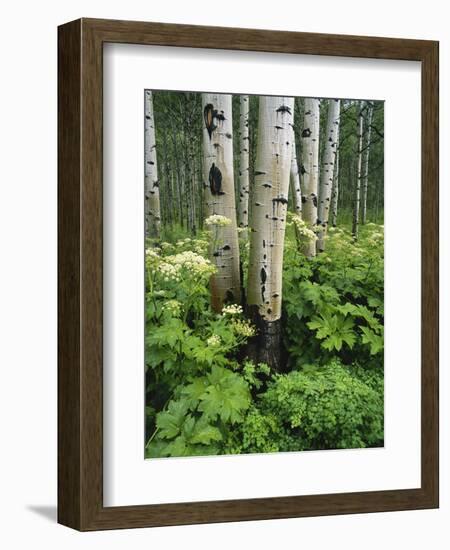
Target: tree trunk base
267,346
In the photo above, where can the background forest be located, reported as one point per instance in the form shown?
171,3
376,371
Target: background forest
264,273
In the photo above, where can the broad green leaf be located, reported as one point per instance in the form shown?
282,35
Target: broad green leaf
205,433
170,422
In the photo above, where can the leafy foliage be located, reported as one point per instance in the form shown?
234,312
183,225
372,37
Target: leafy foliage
204,397
334,302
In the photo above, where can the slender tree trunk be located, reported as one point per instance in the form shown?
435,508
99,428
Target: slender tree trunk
200,201
377,202
365,180
335,192
295,179
194,194
220,198
244,147
310,168
152,206
327,172
357,191
269,196
178,178
167,188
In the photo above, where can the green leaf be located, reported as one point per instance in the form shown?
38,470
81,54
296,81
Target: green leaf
169,334
227,396
375,341
205,433
334,330
170,422
193,391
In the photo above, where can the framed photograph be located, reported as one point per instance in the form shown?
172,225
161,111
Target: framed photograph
248,274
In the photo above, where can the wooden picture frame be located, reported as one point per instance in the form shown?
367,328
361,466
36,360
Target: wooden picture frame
80,272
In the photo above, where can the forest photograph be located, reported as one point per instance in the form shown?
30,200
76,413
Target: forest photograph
264,273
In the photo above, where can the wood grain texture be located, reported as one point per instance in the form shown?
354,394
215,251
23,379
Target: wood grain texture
69,244
80,242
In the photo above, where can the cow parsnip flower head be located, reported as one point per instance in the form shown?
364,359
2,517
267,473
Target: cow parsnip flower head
302,229
168,271
243,328
214,340
173,306
217,220
151,253
195,263
231,310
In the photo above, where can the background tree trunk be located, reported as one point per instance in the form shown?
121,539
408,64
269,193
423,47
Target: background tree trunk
244,148
335,192
220,197
310,168
365,180
152,206
269,197
295,179
357,191
327,172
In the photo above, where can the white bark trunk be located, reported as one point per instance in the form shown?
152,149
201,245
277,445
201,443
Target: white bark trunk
220,197
357,193
327,172
152,206
295,179
269,205
269,198
244,147
310,168
365,180
335,192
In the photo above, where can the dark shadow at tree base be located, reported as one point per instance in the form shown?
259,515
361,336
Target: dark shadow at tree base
267,346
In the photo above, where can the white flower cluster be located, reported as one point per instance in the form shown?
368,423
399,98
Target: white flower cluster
170,268
169,272
172,306
151,253
200,246
302,229
214,340
231,310
192,261
217,220
243,328
184,242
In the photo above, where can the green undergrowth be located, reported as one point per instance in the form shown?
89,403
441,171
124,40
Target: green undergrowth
204,397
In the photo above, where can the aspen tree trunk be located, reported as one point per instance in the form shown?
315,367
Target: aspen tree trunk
310,168
295,179
152,206
365,180
335,192
269,197
220,198
357,192
244,146
327,172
